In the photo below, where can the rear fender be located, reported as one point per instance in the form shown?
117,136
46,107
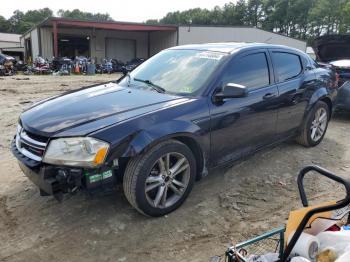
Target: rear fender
320,94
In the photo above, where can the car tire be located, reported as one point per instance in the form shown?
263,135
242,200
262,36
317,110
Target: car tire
156,171
315,125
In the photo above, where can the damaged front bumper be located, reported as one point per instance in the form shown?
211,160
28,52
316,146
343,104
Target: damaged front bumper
58,180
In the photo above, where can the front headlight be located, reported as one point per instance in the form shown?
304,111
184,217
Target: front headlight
76,151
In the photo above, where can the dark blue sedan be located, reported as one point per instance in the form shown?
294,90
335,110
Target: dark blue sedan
176,116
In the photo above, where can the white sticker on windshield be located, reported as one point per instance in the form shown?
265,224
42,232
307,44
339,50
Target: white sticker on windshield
210,55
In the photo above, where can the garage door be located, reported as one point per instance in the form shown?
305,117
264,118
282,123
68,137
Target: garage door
121,49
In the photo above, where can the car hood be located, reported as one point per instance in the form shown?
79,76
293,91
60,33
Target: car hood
106,104
344,63
332,47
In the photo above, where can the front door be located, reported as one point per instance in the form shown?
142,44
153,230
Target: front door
242,125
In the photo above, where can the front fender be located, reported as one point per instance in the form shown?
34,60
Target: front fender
167,130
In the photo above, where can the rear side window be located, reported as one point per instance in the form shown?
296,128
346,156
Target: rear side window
250,71
287,65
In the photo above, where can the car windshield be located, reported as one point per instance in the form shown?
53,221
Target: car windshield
180,72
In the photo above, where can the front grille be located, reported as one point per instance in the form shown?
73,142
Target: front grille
28,145
33,150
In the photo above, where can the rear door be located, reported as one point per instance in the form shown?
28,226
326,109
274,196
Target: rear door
241,125
293,82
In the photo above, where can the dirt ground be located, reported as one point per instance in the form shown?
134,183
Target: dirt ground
229,205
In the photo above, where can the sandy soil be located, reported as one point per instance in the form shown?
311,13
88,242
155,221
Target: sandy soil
231,204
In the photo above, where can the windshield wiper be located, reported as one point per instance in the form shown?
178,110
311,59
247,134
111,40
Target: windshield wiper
159,89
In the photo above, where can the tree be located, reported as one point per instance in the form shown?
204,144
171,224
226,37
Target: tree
241,13
346,26
21,22
77,14
304,19
255,12
152,21
4,25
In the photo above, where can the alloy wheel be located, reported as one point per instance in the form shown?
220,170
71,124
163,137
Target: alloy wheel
319,124
168,180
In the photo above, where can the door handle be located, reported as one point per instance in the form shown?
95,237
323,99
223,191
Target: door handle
269,96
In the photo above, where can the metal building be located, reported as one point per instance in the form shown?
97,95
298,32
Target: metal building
125,41
10,45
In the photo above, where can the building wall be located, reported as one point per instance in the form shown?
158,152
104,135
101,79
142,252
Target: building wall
46,42
203,34
97,41
35,43
9,44
162,40
46,35
141,39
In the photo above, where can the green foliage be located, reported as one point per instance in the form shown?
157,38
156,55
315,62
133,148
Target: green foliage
77,14
304,19
21,22
4,25
152,21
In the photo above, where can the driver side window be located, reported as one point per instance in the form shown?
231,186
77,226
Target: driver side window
251,71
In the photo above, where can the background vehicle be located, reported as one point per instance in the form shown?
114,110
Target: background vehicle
62,65
335,50
117,65
132,64
20,66
343,99
180,113
80,64
7,65
106,67
40,66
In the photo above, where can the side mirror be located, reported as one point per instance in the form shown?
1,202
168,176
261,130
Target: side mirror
231,90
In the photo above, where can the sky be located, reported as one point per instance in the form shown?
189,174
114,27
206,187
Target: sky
125,10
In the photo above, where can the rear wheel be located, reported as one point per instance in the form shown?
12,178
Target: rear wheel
158,181
315,126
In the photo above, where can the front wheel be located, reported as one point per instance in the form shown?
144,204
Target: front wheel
315,126
158,181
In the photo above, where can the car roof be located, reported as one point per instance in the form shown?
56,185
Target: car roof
230,47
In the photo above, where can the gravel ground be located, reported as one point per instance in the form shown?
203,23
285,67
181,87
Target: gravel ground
229,205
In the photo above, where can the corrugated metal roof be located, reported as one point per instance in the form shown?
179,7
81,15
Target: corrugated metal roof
5,37
116,25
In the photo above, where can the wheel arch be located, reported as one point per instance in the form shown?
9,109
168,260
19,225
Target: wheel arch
320,95
329,103
143,143
197,152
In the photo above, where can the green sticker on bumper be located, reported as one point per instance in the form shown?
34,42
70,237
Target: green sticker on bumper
98,177
107,174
